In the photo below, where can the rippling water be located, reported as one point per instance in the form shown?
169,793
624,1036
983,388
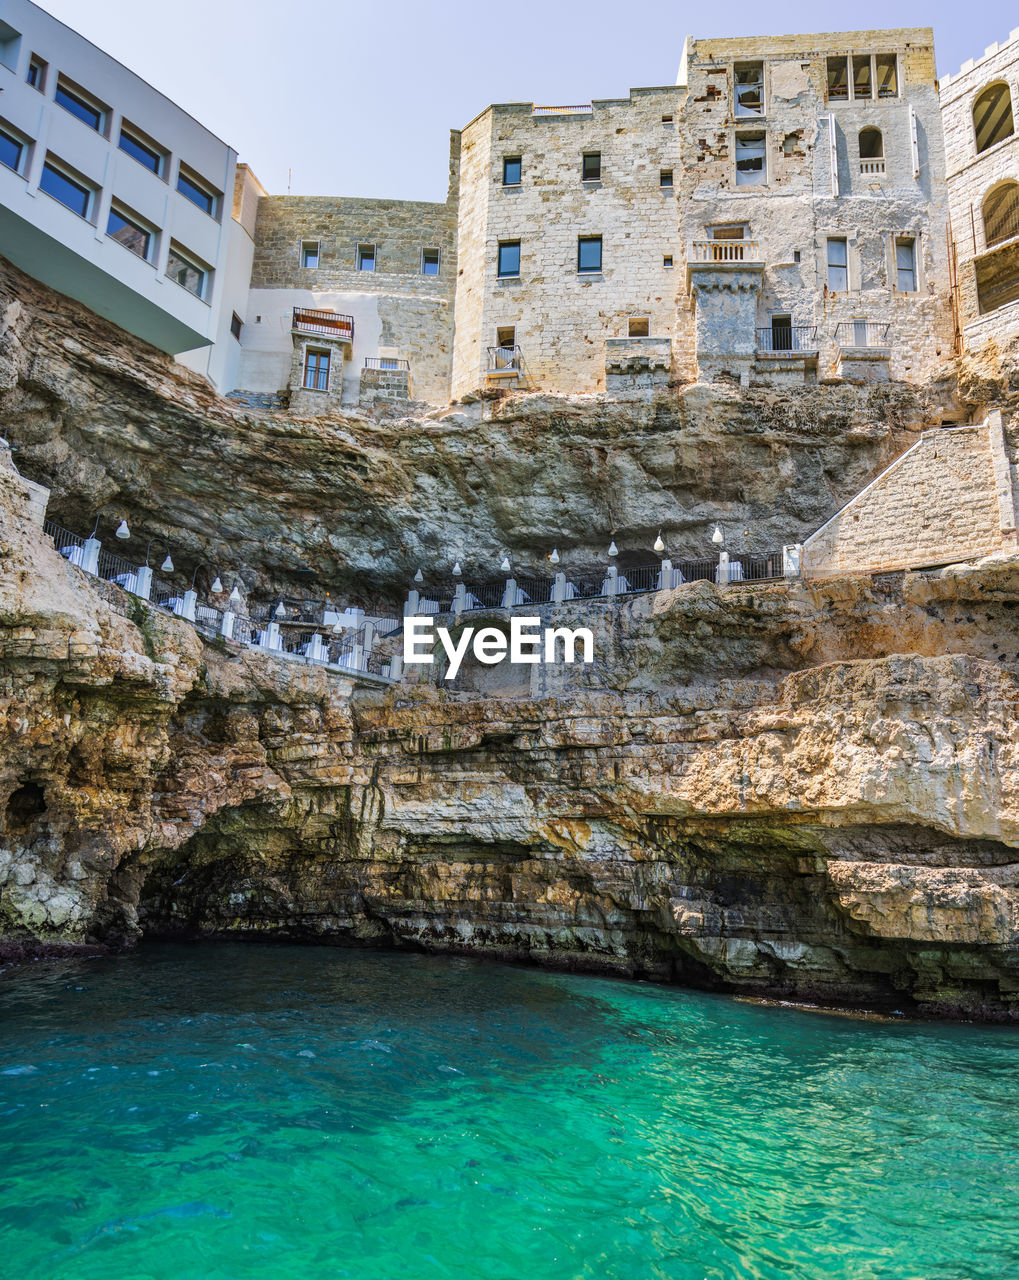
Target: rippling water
235,1111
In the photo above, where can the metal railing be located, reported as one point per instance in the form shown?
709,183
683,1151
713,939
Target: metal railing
387,363
560,111
328,323
64,541
861,333
504,361
725,251
876,165
116,569
776,339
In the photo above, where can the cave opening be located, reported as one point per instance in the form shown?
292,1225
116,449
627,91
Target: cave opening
25,807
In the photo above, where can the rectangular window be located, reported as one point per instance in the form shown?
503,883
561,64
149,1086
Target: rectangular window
236,325
37,73
186,272
665,178
666,119
905,265
69,191
509,258
137,148
728,231
751,167
667,260
591,166
131,234
79,105
366,257
310,253
429,262
638,327
316,370
838,265
838,79
512,168
748,78
589,254
12,151
506,336
886,75
193,189
862,85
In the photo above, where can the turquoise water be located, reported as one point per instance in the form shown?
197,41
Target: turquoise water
235,1111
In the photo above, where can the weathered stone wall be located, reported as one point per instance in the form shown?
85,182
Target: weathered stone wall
971,176
563,318
941,501
397,308
794,212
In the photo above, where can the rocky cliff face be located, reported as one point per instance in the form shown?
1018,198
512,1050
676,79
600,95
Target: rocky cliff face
793,790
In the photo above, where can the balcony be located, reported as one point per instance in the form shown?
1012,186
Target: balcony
876,166
780,341
864,350
725,251
862,335
327,324
504,363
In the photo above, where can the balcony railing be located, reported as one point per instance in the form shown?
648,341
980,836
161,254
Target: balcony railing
795,338
861,333
504,362
330,324
872,166
725,251
561,111
388,364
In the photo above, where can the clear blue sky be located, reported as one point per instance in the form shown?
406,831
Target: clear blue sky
358,99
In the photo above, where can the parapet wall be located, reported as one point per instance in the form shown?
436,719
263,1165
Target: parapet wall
949,497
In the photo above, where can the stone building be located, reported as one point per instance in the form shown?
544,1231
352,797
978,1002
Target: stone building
982,162
813,207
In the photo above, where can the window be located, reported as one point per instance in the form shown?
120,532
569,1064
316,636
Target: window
667,260
511,171
12,150
429,262
867,70
509,258
872,151
838,265
366,257
992,116
506,336
146,153
74,193
316,370
781,333
194,189
748,80
905,265
730,231
863,86
751,169
666,119
591,166
638,327
80,105
309,253
886,75
838,79
665,178
589,254
236,325
36,73
1001,213
128,232
186,272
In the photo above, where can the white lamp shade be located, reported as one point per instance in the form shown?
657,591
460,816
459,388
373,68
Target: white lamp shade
613,549
217,586
280,611
235,596
554,557
505,566
659,543
419,576
167,565
122,530
457,570
717,536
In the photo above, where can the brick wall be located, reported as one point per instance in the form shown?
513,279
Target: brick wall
938,503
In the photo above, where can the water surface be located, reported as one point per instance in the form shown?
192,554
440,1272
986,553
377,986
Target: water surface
245,1110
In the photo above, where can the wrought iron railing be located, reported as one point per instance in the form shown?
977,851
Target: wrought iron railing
776,338
328,323
504,361
387,363
64,541
560,111
861,333
725,251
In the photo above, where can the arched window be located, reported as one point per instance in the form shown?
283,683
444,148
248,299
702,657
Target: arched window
872,151
992,115
1001,213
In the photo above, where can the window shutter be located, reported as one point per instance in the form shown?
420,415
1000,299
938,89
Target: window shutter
914,146
833,156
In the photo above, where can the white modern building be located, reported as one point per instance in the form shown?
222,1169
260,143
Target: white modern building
112,194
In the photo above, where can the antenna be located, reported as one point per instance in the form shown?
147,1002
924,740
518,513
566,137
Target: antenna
290,174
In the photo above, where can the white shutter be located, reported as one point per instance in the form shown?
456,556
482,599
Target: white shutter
914,146
833,156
